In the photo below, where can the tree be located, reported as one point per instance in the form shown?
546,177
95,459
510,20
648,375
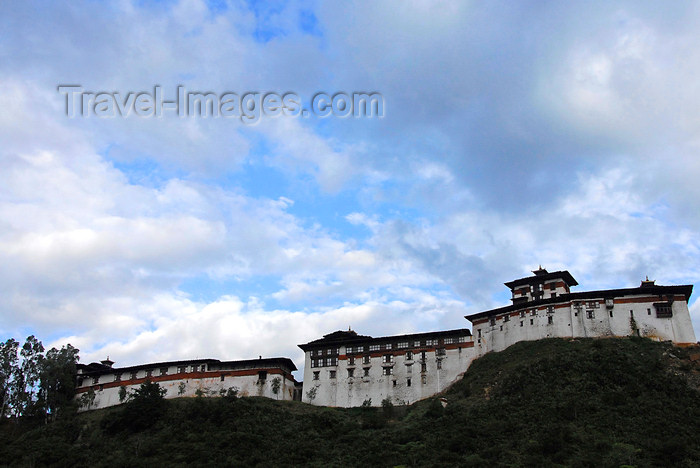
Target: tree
311,394
123,394
25,384
145,408
87,399
34,383
276,383
8,372
57,380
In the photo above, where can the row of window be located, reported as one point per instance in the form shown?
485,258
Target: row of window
388,370
326,352
535,288
133,375
323,362
663,310
402,345
386,359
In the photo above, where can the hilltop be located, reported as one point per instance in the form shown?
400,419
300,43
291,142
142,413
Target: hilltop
555,402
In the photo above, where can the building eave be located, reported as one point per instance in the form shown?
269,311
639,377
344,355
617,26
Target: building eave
363,339
94,369
654,290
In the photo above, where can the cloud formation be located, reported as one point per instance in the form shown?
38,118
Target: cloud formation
564,135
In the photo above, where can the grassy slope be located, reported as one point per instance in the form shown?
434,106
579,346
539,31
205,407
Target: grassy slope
553,402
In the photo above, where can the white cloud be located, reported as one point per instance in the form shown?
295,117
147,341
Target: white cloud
565,136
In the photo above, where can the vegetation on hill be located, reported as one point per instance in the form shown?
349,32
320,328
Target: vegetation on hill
606,402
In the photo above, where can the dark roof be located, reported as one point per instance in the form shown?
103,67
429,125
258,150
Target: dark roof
97,368
685,290
338,337
542,275
350,337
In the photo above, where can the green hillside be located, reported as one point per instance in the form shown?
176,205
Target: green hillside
609,402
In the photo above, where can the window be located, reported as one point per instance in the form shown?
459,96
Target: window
532,321
663,309
423,379
316,374
416,343
631,314
422,355
552,286
331,374
648,311
408,382
117,377
533,312
133,375
387,370
222,377
501,328
521,323
374,347
262,376
522,313
387,346
423,367
440,352
462,339
431,342
439,363
611,313
409,369
394,383
163,371
351,361
366,360
590,314
149,373
592,304
351,372
95,380
448,340
550,309
403,344
409,355
506,318
332,361
550,320
366,371
478,332
554,294
181,369
492,321
388,359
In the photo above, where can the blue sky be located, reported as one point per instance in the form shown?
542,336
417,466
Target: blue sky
565,135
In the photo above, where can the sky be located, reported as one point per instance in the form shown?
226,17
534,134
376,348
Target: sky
513,135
